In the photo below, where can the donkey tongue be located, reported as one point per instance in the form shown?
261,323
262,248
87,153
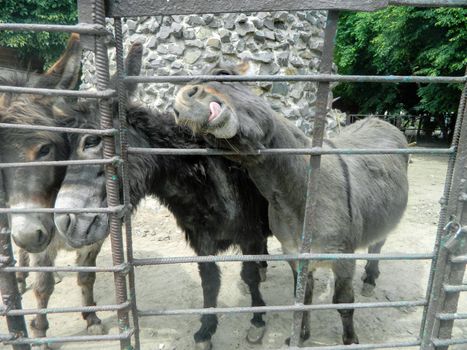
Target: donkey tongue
215,109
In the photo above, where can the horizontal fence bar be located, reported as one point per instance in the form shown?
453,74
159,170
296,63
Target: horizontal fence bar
292,151
277,257
447,342
296,78
102,132
389,345
71,339
279,308
58,92
450,317
428,3
455,289
462,259
59,310
82,28
108,210
113,160
117,268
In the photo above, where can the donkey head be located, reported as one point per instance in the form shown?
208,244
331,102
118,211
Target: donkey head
84,186
225,110
35,187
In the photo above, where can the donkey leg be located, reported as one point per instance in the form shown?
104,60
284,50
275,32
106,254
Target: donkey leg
371,270
23,261
305,330
344,293
87,257
252,277
263,265
210,282
43,288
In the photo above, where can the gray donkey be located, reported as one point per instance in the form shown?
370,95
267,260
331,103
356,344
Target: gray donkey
27,187
361,198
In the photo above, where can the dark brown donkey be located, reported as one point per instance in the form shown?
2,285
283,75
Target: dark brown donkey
212,199
360,198
37,187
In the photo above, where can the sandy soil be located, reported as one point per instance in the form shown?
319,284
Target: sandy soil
155,234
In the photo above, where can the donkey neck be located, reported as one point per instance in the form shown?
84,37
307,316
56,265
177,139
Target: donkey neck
282,178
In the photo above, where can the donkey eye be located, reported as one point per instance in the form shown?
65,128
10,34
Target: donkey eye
43,151
222,72
91,141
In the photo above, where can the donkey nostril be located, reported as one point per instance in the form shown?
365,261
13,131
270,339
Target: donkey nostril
40,236
63,222
192,92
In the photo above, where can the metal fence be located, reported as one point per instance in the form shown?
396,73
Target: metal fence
445,280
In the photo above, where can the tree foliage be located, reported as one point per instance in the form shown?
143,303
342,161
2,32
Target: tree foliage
402,41
46,45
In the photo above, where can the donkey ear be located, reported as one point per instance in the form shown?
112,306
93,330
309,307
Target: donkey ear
65,72
244,68
133,63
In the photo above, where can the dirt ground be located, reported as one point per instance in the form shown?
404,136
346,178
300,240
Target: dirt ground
155,234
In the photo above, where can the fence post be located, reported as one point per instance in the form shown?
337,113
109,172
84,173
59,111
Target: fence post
444,272
11,298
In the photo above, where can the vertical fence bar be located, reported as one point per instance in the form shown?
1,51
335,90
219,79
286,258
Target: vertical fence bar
314,171
112,181
11,297
450,204
122,99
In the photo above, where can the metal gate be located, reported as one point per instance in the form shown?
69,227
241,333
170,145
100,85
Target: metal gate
449,255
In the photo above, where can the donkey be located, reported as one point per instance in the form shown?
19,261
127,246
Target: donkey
360,198
27,187
212,199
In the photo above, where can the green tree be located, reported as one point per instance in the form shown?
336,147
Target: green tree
402,41
47,46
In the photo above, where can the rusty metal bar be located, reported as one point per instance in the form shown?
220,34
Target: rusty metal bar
292,151
10,295
122,108
297,78
279,308
277,257
454,316
105,93
58,310
322,95
117,268
59,129
446,342
450,204
124,336
114,160
109,210
390,345
459,259
455,289
81,28
111,175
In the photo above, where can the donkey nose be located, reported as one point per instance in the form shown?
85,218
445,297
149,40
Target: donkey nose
191,92
34,241
63,222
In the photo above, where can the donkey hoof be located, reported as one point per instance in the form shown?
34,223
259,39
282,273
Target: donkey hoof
368,290
263,274
203,345
96,329
348,340
255,334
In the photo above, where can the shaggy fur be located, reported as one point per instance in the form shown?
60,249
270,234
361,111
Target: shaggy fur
37,187
212,199
360,197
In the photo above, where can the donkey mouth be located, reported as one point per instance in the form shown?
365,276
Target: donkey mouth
216,110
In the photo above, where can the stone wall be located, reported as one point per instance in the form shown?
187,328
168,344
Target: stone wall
275,43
